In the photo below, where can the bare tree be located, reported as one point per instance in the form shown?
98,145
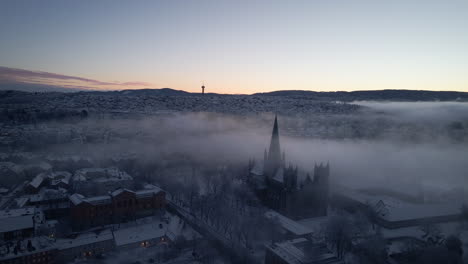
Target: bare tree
373,250
339,234
432,234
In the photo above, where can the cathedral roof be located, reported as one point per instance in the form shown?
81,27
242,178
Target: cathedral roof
274,153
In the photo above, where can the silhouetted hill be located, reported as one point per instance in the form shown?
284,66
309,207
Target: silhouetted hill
154,92
144,92
150,92
375,95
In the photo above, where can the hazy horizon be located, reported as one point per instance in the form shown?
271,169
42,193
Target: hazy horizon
22,83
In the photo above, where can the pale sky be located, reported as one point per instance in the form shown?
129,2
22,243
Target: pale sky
239,46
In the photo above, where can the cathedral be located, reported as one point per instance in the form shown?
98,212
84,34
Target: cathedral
287,189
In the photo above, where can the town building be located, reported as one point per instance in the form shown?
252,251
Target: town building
393,212
153,233
143,235
85,245
300,251
99,181
19,223
286,189
118,206
51,179
53,202
37,250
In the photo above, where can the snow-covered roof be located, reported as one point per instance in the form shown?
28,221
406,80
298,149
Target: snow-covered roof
46,194
139,233
303,251
76,198
54,178
16,219
101,175
290,225
37,181
421,211
148,192
121,190
95,200
57,177
393,209
84,239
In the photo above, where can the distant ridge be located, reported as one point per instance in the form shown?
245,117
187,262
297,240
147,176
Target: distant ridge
375,95
154,92
149,92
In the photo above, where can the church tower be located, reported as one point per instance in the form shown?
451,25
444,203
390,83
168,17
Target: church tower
273,161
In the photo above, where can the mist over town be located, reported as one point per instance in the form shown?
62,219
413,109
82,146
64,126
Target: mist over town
225,132
205,154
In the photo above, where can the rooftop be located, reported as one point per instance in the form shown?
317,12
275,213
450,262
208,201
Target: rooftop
55,178
18,219
49,194
393,209
148,192
140,233
420,211
303,251
78,199
84,239
290,225
101,175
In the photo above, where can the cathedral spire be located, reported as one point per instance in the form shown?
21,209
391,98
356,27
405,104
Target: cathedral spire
274,153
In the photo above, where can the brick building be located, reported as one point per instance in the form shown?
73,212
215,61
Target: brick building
119,206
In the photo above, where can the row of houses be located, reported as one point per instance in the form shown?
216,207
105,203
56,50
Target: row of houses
87,193
88,245
87,181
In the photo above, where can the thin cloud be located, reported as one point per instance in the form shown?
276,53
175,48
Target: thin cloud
13,75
